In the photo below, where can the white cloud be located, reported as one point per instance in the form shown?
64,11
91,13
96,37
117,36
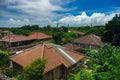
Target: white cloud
43,8
37,11
18,22
43,12
84,20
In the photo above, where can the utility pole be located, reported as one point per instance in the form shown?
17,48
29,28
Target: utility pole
9,38
91,25
67,25
58,24
57,27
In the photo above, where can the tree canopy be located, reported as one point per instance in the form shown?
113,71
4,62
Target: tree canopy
113,31
30,27
64,37
35,70
4,58
103,64
81,75
97,30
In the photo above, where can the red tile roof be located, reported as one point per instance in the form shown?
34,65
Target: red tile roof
15,38
71,46
54,55
89,39
7,32
39,35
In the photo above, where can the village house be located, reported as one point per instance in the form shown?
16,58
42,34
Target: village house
16,40
11,40
40,36
72,46
89,41
5,33
60,61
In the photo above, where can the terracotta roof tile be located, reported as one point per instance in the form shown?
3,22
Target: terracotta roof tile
71,46
15,38
89,39
39,35
50,54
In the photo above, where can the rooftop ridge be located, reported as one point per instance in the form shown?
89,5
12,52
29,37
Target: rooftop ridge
61,50
67,56
42,52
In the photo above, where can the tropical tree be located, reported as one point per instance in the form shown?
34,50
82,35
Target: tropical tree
106,61
63,37
97,30
35,70
103,64
1,45
114,27
4,58
81,75
30,27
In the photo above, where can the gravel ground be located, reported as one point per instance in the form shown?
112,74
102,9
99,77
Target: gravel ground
3,77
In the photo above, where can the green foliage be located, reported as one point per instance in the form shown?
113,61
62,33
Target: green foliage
30,27
107,37
87,51
64,29
104,65
113,31
73,35
48,29
106,61
81,75
11,72
114,24
64,37
35,70
4,58
21,31
1,45
83,29
18,77
97,30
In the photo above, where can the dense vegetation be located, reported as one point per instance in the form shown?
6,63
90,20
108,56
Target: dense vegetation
112,34
1,45
35,70
60,35
4,58
102,65
5,63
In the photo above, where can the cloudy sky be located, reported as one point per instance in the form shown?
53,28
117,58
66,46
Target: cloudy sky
43,12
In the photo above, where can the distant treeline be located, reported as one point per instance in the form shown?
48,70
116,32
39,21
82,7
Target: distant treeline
110,33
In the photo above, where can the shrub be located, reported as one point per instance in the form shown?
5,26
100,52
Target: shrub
11,72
